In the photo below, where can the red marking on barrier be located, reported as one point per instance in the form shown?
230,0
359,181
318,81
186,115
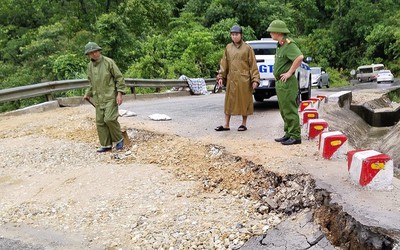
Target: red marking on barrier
368,171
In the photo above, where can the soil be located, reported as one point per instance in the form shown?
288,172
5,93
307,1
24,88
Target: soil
161,192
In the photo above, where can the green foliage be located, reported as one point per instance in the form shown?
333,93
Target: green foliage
152,63
69,66
394,96
148,90
384,43
197,7
319,47
42,41
114,38
337,78
143,17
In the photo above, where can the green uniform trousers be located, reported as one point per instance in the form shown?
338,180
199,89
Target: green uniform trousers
108,127
287,100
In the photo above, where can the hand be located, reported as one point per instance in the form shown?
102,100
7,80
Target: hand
119,98
255,85
220,82
86,97
285,76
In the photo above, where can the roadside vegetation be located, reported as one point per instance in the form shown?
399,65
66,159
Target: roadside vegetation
394,96
43,40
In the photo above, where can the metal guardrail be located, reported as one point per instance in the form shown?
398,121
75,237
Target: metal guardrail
48,88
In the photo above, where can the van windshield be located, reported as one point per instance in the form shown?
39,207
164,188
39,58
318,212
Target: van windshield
264,48
315,71
365,70
377,68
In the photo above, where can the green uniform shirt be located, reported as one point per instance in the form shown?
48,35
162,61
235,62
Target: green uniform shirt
286,52
105,81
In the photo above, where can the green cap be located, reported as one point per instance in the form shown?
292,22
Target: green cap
278,26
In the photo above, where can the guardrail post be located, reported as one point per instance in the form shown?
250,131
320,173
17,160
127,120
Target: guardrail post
133,91
49,97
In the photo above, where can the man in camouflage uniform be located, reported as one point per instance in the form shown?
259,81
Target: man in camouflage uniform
287,59
107,85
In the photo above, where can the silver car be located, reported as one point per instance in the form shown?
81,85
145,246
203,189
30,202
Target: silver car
384,76
319,77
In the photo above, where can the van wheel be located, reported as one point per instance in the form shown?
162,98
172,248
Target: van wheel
307,95
359,79
327,84
320,84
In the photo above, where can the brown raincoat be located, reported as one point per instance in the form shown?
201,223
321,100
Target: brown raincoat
239,69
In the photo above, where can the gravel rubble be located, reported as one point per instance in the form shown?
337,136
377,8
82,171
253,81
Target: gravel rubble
163,192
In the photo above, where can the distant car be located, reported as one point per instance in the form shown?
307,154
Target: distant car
319,77
384,76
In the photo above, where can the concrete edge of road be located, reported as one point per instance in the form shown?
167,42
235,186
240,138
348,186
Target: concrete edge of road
343,98
77,101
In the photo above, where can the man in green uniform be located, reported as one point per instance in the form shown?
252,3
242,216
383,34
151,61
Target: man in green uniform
238,68
287,59
107,85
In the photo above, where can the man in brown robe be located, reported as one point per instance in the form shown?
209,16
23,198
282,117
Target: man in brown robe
239,70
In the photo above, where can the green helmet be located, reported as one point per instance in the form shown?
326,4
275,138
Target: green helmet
278,26
90,47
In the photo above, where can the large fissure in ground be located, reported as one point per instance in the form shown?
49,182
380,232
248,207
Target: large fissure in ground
287,195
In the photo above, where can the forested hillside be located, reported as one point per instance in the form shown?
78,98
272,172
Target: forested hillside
43,40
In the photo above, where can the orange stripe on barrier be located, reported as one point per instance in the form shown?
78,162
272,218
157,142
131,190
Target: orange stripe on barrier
378,165
336,143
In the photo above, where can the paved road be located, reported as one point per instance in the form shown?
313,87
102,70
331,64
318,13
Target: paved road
207,111
197,116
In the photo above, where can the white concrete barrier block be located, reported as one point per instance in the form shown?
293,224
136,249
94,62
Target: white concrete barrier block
322,98
370,169
308,114
316,127
333,145
306,104
316,102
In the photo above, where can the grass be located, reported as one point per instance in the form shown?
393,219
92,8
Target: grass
394,97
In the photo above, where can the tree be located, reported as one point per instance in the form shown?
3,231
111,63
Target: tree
115,38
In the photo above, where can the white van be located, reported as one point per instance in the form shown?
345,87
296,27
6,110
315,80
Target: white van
265,50
368,72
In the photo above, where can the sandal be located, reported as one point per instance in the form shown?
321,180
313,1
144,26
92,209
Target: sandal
221,128
242,128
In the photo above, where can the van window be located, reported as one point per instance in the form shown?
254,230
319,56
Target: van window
365,70
264,48
315,71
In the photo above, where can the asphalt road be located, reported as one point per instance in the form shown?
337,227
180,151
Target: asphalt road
206,111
